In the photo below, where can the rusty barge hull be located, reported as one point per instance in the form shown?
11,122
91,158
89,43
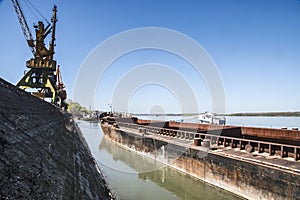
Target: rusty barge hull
267,170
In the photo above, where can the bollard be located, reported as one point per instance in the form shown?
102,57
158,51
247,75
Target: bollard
197,141
206,143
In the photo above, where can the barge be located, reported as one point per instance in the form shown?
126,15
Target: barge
254,163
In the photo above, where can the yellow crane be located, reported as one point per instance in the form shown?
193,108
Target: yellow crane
44,75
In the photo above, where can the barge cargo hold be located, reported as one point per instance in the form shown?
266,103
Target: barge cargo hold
254,163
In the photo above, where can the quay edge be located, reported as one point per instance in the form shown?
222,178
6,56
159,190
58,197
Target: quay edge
249,175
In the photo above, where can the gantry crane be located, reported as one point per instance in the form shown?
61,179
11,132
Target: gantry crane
44,75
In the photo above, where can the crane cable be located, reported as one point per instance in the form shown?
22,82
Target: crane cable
28,3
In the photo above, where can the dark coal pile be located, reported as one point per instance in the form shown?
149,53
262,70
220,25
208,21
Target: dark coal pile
43,154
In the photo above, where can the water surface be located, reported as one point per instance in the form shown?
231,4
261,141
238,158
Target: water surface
133,176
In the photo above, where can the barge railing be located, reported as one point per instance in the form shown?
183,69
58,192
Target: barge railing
217,141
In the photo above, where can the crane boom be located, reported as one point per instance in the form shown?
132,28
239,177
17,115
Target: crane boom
26,31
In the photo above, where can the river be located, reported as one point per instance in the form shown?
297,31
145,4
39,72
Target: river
255,121
132,176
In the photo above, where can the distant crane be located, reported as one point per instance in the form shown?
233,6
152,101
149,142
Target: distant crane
44,75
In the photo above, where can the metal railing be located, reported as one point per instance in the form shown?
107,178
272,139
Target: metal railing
217,141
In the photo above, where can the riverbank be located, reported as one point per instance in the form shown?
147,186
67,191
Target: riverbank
43,153
244,114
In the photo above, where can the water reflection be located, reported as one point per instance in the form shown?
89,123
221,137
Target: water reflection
179,184
134,161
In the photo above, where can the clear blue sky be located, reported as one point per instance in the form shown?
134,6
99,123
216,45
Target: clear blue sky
255,45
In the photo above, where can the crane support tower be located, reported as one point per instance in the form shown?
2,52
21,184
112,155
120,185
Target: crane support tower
43,77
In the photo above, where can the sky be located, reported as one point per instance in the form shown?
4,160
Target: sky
254,44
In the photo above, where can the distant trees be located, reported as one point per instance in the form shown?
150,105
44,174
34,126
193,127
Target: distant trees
77,110
269,114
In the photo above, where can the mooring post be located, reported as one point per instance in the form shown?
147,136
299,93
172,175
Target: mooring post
281,151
